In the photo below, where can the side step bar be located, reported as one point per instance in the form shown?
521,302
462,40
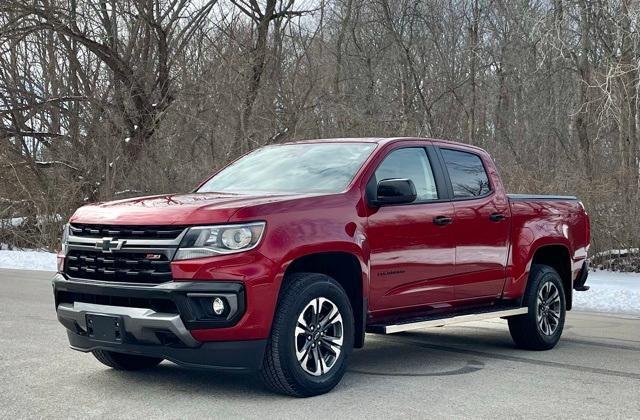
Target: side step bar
441,322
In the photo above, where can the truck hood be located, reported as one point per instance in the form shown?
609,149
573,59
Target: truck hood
178,209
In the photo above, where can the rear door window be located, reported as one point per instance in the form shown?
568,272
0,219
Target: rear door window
467,173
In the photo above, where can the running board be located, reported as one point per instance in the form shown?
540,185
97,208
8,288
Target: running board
428,322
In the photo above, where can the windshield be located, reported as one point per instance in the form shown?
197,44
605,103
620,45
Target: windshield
292,168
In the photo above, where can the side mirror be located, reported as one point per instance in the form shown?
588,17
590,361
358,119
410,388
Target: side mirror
395,191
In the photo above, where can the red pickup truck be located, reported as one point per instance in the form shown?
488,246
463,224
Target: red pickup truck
283,260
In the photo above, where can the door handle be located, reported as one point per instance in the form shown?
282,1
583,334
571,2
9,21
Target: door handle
442,220
496,217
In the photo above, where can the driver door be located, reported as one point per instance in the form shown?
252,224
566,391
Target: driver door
412,249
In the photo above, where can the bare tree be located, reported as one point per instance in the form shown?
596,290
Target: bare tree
103,99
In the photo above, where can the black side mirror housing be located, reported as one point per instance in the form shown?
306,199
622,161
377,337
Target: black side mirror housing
395,191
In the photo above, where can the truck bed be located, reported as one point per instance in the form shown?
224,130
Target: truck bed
528,197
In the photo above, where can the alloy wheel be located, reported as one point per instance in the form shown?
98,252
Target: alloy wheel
318,336
548,308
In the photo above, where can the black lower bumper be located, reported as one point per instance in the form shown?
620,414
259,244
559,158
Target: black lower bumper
223,355
155,321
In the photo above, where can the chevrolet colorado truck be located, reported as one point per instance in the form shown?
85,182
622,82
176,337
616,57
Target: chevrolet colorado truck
283,260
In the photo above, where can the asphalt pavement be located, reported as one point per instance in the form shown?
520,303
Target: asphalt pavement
466,371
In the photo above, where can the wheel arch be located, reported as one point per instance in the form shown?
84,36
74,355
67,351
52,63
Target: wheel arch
347,269
558,257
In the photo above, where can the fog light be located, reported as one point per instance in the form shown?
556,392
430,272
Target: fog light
218,306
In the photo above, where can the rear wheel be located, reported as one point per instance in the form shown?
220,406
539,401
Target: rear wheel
122,361
311,337
541,328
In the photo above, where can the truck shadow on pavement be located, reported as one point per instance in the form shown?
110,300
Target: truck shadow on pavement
381,357
462,351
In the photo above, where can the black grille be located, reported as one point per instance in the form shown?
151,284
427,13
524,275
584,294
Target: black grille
126,232
131,267
157,304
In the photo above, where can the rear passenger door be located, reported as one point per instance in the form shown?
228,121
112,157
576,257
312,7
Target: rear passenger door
481,226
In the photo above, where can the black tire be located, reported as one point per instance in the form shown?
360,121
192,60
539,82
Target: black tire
122,361
281,370
526,330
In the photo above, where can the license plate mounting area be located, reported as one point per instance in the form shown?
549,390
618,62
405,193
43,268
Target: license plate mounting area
106,328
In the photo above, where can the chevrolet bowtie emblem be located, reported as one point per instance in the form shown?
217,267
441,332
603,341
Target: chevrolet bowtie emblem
109,245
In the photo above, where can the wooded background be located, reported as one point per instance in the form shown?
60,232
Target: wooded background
106,99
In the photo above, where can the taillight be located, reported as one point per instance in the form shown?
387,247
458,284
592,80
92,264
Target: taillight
587,225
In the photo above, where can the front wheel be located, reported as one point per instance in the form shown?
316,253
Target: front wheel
311,337
541,327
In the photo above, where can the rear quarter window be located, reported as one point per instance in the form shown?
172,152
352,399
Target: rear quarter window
467,173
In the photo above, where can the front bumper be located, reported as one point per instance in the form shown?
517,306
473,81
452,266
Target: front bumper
143,325
218,355
157,320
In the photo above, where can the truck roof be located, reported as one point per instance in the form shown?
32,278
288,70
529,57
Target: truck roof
381,140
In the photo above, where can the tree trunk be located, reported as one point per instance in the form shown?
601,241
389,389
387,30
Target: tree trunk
258,60
473,64
584,69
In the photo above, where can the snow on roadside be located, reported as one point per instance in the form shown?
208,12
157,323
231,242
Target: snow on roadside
28,260
611,292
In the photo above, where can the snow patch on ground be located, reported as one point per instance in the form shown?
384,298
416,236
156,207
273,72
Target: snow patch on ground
611,292
28,260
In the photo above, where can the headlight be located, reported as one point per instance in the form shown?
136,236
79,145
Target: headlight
205,241
64,242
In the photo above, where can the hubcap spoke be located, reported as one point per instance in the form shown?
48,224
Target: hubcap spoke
300,331
317,312
333,345
554,296
302,323
305,357
330,317
317,359
545,291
